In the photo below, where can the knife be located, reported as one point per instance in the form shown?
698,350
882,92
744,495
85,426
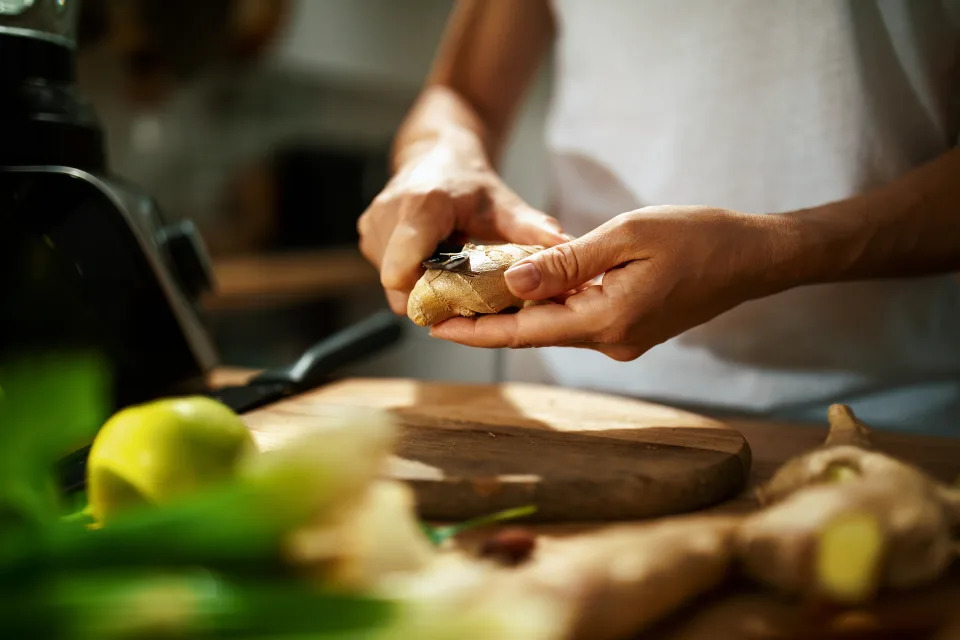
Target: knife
312,369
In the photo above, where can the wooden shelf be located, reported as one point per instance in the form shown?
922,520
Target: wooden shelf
270,280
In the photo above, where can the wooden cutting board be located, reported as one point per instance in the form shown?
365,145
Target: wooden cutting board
469,450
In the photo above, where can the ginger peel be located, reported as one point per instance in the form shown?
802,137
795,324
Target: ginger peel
476,288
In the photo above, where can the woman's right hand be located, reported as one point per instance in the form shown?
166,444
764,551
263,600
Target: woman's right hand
437,193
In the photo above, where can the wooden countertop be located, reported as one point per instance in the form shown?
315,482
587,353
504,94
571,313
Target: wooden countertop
741,611
774,443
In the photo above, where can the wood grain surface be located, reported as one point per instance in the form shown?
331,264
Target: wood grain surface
469,450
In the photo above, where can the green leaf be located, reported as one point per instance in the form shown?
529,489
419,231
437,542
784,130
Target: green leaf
223,526
76,505
83,515
440,534
50,404
237,523
127,604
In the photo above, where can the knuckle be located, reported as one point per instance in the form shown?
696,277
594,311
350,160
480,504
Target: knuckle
563,261
376,215
516,341
429,204
380,206
628,223
391,281
521,335
364,223
404,205
382,202
434,197
387,195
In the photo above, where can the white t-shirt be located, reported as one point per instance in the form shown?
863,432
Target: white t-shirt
764,106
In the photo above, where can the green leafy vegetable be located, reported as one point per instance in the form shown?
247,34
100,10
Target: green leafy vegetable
49,405
77,509
208,565
110,605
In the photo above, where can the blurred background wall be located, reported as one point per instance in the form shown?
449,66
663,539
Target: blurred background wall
268,123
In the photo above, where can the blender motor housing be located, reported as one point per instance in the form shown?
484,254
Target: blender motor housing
87,261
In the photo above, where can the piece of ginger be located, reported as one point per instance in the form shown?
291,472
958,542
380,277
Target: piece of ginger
842,521
476,287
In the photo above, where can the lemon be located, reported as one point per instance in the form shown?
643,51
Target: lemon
151,453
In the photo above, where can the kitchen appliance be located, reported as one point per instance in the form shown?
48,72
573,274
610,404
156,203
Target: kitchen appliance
87,261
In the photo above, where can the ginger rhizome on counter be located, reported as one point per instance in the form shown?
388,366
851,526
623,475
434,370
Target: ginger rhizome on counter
839,524
844,521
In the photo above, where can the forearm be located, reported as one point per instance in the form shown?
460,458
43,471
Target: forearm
489,54
441,117
909,227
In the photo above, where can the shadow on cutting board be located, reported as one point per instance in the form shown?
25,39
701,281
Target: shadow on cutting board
468,449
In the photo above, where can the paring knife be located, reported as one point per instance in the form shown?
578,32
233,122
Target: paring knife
311,370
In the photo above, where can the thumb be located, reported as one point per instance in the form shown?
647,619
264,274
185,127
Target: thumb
566,266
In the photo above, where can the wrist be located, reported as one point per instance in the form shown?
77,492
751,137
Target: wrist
457,147
441,119
813,246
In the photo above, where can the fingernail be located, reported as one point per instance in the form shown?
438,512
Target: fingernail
523,278
568,237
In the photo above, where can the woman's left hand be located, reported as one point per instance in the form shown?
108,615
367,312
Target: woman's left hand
634,282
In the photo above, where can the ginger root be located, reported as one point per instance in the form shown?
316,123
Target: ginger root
477,287
618,581
838,524
843,521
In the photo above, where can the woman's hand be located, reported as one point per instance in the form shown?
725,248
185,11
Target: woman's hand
442,191
664,270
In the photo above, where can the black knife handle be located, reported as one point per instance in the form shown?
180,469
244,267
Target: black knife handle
344,347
